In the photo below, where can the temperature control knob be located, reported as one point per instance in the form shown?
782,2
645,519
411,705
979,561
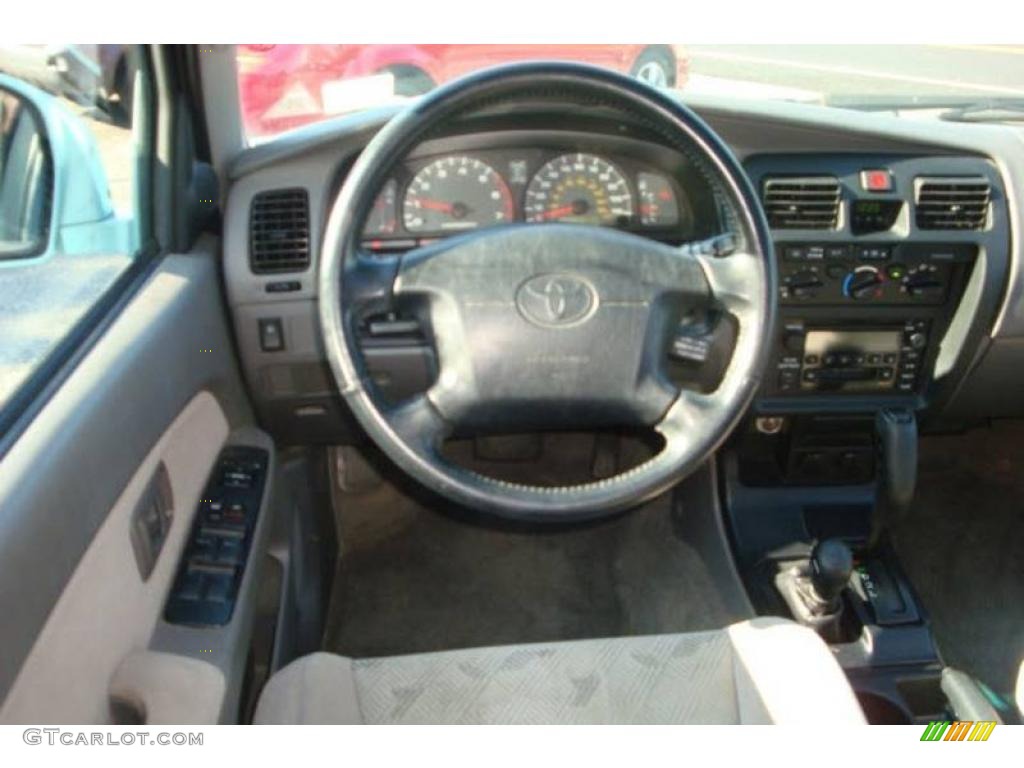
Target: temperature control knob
863,283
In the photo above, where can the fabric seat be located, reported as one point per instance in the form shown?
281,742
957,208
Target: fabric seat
761,671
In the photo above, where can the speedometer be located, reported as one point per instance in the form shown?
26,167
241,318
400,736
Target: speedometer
579,188
455,193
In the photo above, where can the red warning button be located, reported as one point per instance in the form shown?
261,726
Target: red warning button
876,181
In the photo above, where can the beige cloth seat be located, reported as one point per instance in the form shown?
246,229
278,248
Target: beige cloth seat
761,671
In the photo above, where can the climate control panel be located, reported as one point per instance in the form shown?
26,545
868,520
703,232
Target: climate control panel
845,274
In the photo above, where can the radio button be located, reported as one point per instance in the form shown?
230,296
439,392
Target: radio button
788,379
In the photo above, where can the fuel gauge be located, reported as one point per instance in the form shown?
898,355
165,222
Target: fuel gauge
658,204
383,218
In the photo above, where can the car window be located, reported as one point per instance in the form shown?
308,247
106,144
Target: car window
282,87
71,197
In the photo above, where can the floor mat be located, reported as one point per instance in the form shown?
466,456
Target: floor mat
415,579
962,546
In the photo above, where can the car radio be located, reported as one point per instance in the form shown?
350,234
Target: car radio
878,359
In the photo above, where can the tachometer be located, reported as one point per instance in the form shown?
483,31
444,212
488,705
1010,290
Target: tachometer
579,188
454,193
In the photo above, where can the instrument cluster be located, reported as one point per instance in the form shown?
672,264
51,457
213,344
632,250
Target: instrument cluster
438,196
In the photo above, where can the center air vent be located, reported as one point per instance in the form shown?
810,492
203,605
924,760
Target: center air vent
952,203
279,231
802,203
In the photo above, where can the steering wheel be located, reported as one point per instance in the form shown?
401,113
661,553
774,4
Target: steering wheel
549,325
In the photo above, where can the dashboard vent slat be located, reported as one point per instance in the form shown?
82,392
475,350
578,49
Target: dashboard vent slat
279,231
952,203
802,203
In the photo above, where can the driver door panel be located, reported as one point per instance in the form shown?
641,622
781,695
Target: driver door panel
158,392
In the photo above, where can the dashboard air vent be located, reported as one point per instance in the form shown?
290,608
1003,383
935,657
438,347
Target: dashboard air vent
952,203
279,231
802,203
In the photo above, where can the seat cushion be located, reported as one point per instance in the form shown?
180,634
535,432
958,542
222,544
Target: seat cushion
761,671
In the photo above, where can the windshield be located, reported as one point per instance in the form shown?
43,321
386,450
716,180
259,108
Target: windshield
287,86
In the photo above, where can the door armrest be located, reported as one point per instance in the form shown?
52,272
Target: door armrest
167,689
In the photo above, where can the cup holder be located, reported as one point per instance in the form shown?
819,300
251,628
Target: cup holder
881,710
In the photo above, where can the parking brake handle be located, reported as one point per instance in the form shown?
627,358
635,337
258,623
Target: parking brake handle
897,440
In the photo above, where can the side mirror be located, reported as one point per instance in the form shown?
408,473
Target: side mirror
54,194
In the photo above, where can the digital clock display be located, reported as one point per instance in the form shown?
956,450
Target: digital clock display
874,215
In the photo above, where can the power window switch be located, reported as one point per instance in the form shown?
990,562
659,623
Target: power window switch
204,548
191,586
230,552
218,587
271,334
235,514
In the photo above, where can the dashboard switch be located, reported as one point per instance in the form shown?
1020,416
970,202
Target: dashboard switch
271,334
876,180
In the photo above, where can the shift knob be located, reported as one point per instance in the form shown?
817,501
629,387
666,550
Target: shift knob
831,566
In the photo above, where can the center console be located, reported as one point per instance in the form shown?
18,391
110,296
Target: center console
876,257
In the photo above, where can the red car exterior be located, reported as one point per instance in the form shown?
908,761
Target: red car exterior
283,86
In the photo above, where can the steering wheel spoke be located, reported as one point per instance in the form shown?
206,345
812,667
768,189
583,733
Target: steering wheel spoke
734,278
418,424
689,414
368,282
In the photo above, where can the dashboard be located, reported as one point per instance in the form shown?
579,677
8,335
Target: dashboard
884,298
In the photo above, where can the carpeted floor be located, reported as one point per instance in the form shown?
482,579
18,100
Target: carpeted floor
962,546
413,578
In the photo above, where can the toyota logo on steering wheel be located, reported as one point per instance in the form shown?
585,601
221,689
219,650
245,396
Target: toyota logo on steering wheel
556,301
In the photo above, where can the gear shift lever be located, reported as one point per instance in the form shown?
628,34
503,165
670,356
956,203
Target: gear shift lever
812,588
830,567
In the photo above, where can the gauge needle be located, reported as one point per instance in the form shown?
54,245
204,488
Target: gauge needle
436,205
557,213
